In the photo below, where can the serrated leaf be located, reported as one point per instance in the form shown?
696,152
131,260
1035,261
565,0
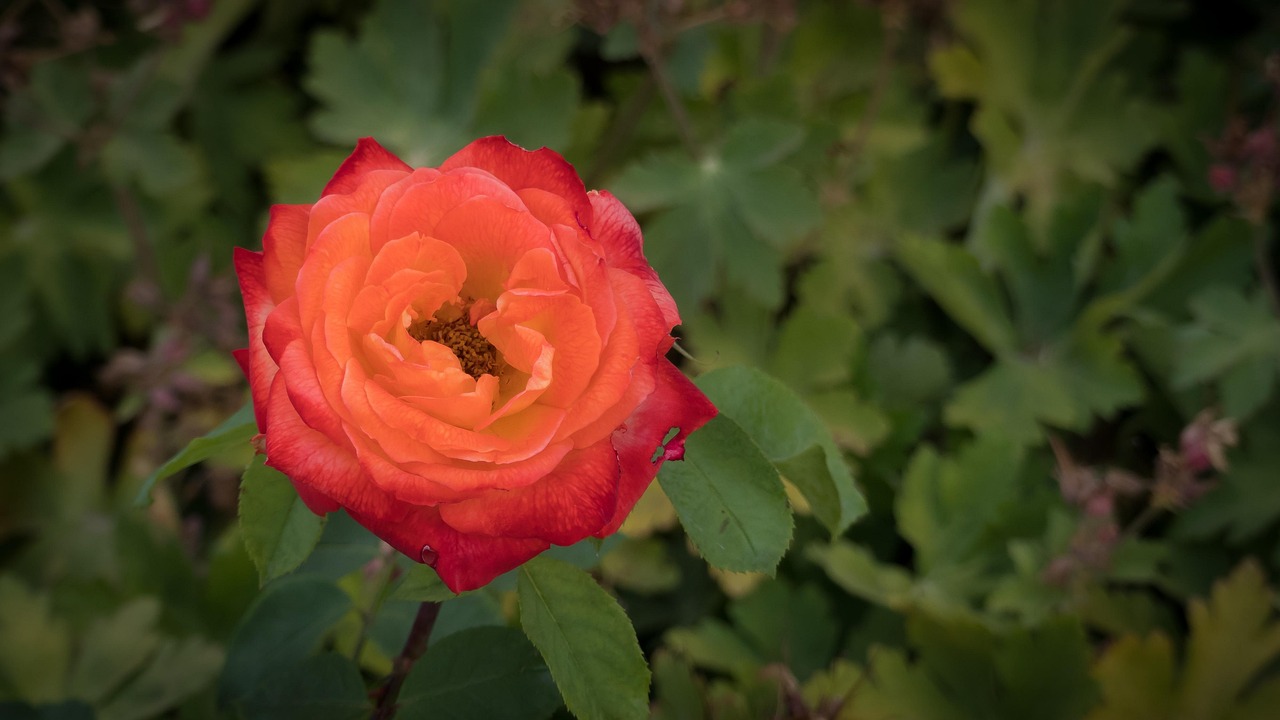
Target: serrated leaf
476,674
113,649
179,669
945,505
729,498
35,645
965,670
952,276
281,629
1234,641
279,530
1233,340
234,431
321,687
410,77
787,431
586,640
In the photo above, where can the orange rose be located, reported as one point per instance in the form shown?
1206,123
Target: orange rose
470,360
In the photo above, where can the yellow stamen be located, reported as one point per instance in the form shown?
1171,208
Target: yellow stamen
476,354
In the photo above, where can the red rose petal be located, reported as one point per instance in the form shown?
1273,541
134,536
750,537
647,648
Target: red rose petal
570,503
367,157
675,403
259,368
284,246
464,562
619,234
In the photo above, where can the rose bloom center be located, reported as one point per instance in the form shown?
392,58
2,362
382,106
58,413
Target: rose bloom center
475,353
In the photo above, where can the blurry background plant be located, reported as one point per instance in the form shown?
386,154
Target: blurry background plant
1016,258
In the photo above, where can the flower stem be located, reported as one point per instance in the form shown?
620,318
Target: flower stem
414,646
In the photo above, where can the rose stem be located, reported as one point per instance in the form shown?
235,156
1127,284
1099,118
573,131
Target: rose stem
414,646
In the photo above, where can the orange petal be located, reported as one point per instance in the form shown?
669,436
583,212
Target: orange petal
619,234
284,246
421,206
491,238
520,169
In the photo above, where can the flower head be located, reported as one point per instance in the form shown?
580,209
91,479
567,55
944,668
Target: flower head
469,359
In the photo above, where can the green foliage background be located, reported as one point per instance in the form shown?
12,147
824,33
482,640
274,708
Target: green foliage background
990,283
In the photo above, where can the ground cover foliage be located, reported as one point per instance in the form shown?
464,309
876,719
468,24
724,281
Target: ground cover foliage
984,289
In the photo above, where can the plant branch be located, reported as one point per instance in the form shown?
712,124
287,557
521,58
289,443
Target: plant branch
373,594
414,647
894,22
651,50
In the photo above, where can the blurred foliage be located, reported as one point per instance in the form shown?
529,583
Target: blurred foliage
1006,265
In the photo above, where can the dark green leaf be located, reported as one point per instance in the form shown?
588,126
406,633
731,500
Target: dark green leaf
478,674
792,436
279,530
586,640
283,627
729,499
234,431
321,687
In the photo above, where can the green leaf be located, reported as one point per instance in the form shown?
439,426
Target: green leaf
1231,337
476,674
283,627
1052,107
234,431
641,565
321,687
1150,241
903,372
757,142
1070,383
859,573
945,505
814,349
952,276
410,78
179,669
35,646
788,624
1136,676
113,649
724,215
965,670
677,692
729,499
1228,666
279,530
792,436
714,645
586,640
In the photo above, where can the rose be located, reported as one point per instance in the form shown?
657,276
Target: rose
470,360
